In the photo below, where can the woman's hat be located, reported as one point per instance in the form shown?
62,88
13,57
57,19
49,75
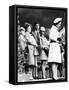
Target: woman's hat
57,20
42,28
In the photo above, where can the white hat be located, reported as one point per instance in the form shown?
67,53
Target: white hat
42,28
57,20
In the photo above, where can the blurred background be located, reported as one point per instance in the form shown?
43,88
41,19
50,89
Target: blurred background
44,17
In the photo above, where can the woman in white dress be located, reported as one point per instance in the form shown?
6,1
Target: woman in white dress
31,42
54,52
43,54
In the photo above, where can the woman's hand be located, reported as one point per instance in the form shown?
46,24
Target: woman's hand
46,48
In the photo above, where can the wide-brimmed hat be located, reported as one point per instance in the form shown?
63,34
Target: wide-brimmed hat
57,20
42,29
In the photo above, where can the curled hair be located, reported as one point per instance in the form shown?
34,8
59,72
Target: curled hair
27,25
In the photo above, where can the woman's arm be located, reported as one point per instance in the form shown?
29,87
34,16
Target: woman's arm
30,40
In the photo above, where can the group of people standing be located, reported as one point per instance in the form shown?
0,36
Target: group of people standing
48,51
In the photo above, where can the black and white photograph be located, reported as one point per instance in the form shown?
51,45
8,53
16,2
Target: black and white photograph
34,45
41,44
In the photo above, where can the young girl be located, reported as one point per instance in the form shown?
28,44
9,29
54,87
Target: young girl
44,47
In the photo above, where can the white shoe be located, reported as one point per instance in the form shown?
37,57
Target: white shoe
56,78
31,78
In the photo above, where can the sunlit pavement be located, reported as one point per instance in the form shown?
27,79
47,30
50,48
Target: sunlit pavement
26,77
